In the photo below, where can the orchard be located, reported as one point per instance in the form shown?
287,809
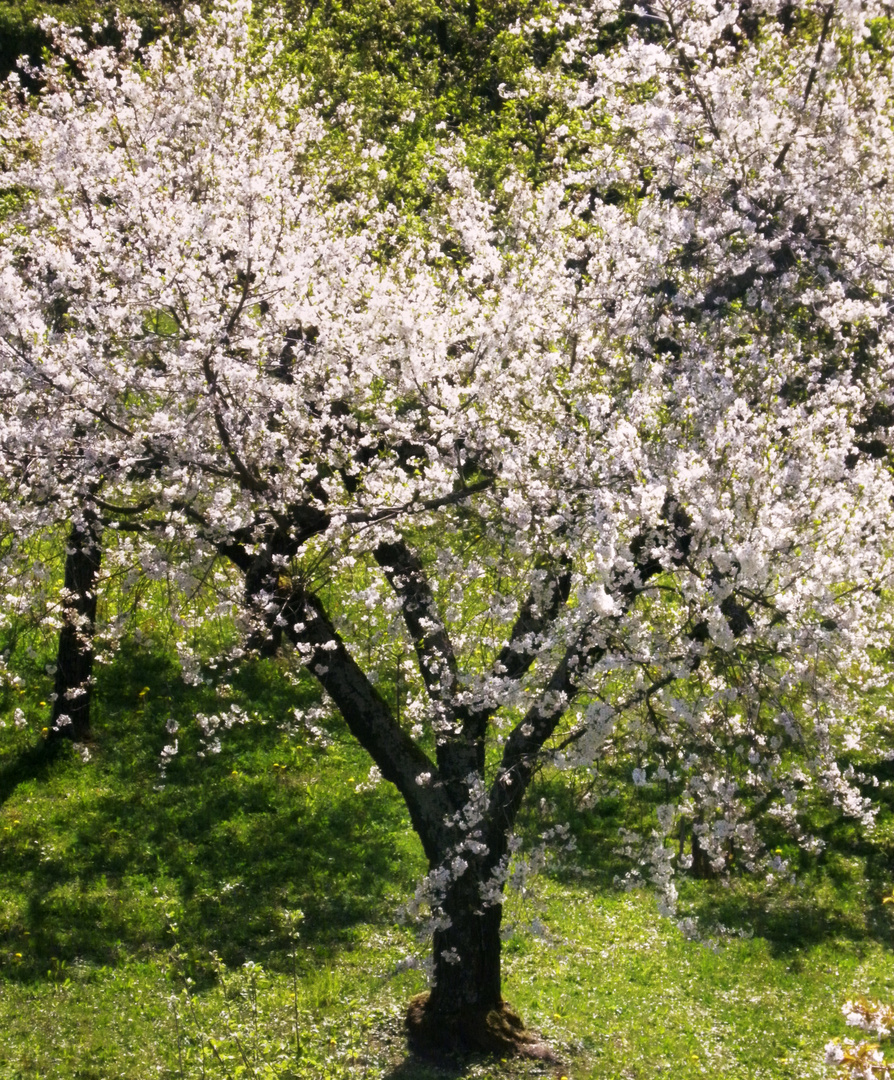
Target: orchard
604,452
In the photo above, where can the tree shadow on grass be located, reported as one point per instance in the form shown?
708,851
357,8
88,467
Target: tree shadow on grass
819,908
837,896
33,763
210,875
450,1067
111,860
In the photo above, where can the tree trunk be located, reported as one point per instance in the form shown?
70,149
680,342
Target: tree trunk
74,659
701,863
466,976
465,1011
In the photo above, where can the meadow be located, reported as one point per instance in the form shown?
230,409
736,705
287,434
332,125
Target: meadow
236,912
187,897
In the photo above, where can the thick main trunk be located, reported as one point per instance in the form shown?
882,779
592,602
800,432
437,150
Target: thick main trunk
465,1010
466,973
74,658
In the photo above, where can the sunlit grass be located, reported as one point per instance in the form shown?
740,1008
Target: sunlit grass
240,918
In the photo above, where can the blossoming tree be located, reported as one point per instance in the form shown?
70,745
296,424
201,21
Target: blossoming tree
609,454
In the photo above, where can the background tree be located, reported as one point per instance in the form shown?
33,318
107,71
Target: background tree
607,495
74,658
21,35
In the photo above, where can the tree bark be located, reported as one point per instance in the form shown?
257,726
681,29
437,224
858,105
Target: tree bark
74,658
467,953
465,1010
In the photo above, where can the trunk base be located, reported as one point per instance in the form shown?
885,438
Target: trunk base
498,1031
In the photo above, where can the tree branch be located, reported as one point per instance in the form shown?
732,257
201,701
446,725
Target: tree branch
537,613
370,720
434,649
371,517
637,699
811,78
528,737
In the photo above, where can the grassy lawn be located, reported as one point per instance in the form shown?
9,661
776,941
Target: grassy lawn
239,919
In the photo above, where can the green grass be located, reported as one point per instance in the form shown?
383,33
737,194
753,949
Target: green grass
152,930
